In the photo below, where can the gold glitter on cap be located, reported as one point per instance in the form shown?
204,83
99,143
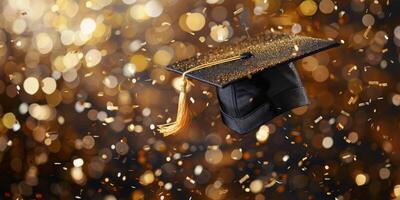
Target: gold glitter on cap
269,49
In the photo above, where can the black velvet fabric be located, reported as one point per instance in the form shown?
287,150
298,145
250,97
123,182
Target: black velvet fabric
250,102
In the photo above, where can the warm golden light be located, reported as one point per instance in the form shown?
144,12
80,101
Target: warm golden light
93,57
138,12
361,179
219,33
147,178
140,61
44,43
9,120
88,26
49,85
31,85
263,133
195,21
308,7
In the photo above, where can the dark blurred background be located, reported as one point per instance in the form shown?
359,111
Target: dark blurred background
83,87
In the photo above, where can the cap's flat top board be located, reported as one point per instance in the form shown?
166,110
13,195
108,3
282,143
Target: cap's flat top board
269,49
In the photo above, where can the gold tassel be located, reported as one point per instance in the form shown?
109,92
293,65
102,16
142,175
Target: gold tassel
182,116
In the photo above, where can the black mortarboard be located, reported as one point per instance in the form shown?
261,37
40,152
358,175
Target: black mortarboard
255,78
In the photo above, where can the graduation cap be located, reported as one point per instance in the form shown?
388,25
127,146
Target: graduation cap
255,79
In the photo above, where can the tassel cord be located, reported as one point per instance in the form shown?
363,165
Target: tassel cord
183,117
